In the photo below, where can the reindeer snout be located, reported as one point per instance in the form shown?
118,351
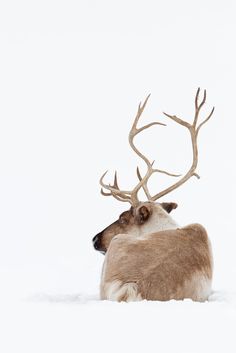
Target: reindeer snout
97,242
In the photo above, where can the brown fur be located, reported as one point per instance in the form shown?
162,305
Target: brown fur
163,265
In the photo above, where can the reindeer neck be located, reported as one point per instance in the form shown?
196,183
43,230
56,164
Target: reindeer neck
159,221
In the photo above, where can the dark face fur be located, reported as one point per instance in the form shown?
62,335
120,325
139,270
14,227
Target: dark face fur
128,222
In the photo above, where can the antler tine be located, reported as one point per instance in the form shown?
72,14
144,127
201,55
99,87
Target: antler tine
115,184
141,108
177,120
196,98
198,106
194,130
203,100
167,173
115,196
204,121
114,190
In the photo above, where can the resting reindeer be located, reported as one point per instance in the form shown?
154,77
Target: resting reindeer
148,256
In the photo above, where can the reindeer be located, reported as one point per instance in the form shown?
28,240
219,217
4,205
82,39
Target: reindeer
147,254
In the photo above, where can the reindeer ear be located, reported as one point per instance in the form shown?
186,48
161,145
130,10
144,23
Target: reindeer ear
143,213
169,206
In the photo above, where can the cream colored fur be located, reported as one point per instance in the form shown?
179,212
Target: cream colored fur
160,220
118,291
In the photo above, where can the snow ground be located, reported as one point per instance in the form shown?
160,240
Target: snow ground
88,325
55,320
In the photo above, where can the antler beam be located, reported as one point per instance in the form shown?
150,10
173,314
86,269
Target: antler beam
194,130
127,195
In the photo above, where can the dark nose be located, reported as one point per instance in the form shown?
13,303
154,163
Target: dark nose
97,241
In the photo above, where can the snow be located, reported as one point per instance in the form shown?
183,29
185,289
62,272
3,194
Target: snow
71,76
106,327
73,319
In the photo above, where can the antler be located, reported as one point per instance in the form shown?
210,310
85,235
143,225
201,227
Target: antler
126,195
132,196
194,130
114,190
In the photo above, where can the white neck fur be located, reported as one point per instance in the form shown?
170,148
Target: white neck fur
159,220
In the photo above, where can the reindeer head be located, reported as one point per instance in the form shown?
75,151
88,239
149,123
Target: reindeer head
150,216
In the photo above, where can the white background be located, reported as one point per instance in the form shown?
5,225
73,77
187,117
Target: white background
71,76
